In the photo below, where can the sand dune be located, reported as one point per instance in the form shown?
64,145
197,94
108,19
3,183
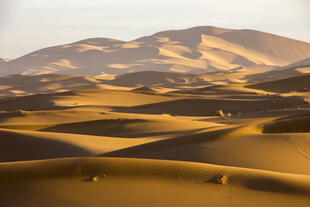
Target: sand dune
109,124
298,84
44,145
162,82
221,90
149,103
299,68
69,180
24,85
208,107
289,124
195,50
21,85
145,89
102,98
300,64
163,79
227,146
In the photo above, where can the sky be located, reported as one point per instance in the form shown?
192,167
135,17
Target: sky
29,25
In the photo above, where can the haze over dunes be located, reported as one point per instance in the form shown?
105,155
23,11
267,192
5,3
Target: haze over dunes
194,50
197,117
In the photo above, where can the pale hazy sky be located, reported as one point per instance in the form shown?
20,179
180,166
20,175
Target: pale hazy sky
28,25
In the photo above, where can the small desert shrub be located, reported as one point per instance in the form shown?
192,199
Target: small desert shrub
293,93
223,180
220,113
21,112
166,115
95,179
98,177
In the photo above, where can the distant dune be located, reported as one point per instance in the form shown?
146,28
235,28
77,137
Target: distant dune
154,78
300,64
194,50
295,84
145,89
21,85
299,68
153,81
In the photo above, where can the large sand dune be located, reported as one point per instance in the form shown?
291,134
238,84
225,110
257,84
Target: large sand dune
195,50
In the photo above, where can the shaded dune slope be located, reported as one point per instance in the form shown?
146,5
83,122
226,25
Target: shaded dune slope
207,107
301,83
289,124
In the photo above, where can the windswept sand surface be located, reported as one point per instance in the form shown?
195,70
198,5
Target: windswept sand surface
245,144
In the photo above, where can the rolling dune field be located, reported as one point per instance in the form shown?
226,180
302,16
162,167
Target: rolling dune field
216,120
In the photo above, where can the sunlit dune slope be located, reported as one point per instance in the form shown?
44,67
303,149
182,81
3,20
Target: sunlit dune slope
44,145
232,146
102,124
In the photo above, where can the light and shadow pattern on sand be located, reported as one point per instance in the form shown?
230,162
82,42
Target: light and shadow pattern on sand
245,144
